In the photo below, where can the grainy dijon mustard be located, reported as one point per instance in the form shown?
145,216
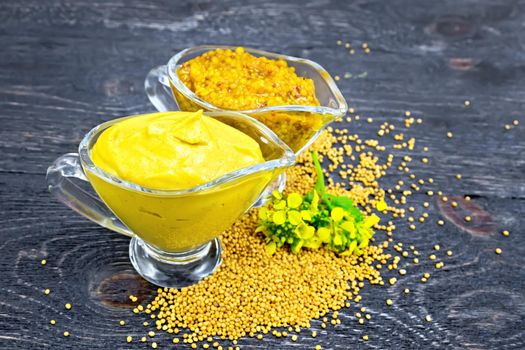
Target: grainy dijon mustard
238,80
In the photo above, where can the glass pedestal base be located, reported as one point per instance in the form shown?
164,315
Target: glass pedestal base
174,270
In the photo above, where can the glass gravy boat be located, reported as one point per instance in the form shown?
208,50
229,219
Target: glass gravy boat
174,232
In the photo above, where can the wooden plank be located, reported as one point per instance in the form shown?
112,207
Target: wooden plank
66,67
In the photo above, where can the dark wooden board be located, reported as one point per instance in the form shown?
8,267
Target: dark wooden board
67,66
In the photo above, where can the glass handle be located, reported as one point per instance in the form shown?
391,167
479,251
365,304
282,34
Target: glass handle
62,181
158,89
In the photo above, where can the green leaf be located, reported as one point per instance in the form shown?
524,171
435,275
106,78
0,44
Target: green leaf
345,203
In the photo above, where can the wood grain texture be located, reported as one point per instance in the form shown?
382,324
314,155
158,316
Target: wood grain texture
67,66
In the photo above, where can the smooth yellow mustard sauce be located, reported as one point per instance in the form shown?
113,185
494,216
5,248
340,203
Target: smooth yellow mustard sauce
170,151
173,150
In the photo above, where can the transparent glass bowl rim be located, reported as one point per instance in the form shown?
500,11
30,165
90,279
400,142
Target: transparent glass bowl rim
286,160
181,87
